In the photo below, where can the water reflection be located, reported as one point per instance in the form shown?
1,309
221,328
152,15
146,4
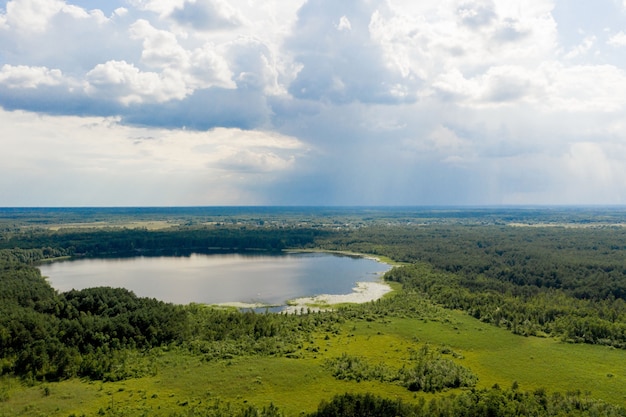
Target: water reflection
218,278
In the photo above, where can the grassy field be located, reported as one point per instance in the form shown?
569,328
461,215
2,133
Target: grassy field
185,383
147,224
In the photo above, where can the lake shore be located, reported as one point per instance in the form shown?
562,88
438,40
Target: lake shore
363,292
382,259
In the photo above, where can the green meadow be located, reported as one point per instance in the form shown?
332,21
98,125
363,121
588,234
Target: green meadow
184,383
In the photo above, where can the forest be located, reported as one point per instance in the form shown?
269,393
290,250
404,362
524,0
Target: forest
535,273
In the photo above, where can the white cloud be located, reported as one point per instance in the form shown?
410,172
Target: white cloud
122,81
160,47
344,24
254,66
207,15
467,38
82,161
162,7
511,30
619,39
76,12
180,71
551,87
31,15
476,14
507,84
342,66
22,76
499,85
584,88
208,68
120,11
201,67
582,48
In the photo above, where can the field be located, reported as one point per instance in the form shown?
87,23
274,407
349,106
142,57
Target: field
184,382
535,309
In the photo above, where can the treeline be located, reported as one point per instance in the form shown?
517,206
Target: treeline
529,311
586,263
103,242
30,256
494,402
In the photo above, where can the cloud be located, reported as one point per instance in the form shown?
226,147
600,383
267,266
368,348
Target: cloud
201,67
72,40
584,88
511,30
160,47
81,161
162,7
594,173
499,85
207,15
344,65
618,40
506,84
254,66
122,81
31,15
476,14
581,49
434,43
311,102
344,24
22,76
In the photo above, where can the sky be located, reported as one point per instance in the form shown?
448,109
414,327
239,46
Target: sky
312,102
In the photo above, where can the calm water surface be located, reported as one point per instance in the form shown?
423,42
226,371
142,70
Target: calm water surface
267,279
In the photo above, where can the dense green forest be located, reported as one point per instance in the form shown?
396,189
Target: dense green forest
493,402
560,281
559,274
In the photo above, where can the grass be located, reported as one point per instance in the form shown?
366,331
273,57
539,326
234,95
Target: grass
185,382
499,357
139,224
62,398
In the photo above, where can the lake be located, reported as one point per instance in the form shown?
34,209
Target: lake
219,278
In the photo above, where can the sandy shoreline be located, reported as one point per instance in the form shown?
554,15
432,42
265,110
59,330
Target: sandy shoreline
362,293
